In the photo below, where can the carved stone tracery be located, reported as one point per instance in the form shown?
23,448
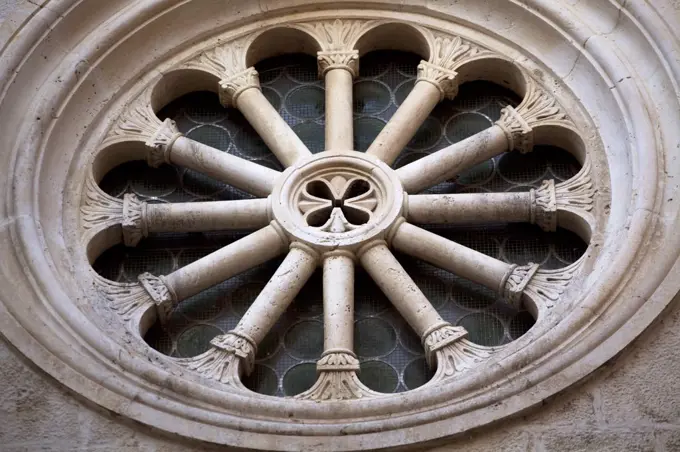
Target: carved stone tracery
338,217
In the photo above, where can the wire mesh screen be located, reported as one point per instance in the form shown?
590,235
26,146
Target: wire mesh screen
391,355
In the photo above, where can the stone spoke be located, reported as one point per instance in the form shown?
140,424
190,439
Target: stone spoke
451,256
467,208
234,352
339,69
272,128
440,339
142,218
398,286
404,124
244,254
447,163
248,176
338,365
437,80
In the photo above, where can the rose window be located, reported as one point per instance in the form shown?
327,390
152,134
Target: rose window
390,246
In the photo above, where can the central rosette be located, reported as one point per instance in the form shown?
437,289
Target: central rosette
338,200
338,204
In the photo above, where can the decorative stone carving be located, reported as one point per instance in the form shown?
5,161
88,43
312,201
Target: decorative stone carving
231,354
123,298
99,210
337,39
127,298
448,53
140,123
228,64
160,294
442,337
578,192
547,286
447,349
538,108
544,206
519,134
347,60
459,357
327,203
134,224
94,371
232,87
517,281
337,379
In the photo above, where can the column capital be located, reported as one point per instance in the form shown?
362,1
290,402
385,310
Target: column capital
134,220
233,86
538,108
139,123
517,280
544,206
448,54
338,59
442,78
161,295
239,345
440,337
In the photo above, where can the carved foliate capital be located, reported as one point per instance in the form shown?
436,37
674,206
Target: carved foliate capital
160,294
337,39
340,59
123,298
239,346
134,220
140,123
219,365
232,87
338,361
337,378
540,108
99,210
440,338
160,144
444,79
544,206
458,357
516,282
577,193
547,286
519,134
448,54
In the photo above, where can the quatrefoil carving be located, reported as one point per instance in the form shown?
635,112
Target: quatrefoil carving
339,204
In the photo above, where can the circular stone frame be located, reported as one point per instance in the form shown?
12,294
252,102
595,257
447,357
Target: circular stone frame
72,65
350,165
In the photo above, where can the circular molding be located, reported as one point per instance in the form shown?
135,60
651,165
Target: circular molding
73,66
310,194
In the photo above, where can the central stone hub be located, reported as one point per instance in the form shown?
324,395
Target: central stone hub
338,199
